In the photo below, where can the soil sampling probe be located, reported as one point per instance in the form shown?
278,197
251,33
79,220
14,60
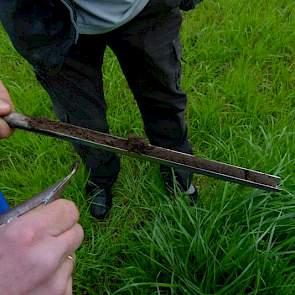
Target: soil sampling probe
139,148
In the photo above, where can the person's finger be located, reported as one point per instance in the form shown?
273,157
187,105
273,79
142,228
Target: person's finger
5,130
59,282
4,92
52,219
60,248
69,241
6,105
69,290
48,255
72,257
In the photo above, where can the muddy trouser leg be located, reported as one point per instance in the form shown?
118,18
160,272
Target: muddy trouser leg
77,96
149,51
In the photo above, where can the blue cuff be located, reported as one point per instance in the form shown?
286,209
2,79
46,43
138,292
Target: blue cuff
3,204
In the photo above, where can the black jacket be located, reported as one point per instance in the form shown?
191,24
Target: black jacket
42,31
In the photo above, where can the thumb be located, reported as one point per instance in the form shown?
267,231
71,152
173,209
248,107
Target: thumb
6,105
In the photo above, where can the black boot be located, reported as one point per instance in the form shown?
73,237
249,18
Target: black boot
101,201
181,180
192,193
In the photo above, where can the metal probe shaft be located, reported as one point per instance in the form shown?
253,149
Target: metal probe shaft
138,148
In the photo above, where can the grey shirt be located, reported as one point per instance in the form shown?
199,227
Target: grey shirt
101,16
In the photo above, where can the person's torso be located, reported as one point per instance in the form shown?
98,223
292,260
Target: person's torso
101,16
44,31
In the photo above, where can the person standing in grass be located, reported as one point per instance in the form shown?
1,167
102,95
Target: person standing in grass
65,41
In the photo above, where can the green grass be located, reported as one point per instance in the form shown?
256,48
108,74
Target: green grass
239,62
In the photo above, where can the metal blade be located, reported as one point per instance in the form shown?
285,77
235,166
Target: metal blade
136,147
47,196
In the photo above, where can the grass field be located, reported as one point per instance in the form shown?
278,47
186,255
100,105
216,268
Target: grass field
239,73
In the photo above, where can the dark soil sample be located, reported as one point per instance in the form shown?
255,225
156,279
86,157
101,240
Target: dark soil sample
138,146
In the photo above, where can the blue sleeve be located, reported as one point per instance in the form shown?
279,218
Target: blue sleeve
3,204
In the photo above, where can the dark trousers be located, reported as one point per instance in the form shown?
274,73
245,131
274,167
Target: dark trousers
149,52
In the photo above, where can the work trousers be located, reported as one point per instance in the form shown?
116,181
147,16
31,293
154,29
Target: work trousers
148,49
